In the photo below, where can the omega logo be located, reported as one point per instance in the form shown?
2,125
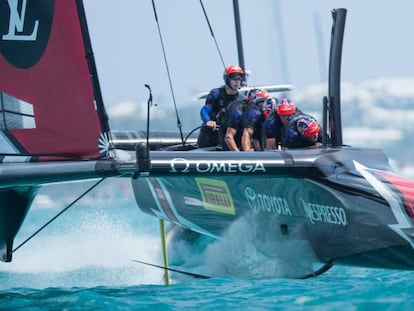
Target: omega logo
179,165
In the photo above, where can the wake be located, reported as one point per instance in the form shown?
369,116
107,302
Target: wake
243,253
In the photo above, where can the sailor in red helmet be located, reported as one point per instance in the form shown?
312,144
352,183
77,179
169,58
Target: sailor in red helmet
260,104
302,131
277,121
216,100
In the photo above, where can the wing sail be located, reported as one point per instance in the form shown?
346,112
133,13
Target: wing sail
48,100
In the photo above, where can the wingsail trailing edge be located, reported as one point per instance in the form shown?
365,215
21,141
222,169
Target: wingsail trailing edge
344,205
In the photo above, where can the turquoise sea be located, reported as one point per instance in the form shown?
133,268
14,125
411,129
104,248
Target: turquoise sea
84,261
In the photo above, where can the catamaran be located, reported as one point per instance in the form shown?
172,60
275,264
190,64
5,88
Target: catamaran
340,204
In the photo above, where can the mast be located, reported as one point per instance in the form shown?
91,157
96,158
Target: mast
334,83
238,33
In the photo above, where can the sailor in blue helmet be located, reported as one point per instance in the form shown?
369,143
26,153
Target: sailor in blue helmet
217,99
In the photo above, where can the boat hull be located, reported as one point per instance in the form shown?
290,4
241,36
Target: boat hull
337,210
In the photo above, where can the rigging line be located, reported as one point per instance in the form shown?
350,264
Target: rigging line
192,131
179,125
58,214
212,34
198,276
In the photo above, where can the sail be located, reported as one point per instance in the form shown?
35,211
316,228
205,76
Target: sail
47,100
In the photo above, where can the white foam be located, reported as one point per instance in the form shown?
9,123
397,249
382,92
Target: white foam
90,247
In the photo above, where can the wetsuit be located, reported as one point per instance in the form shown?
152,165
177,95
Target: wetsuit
254,118
274,128
232,117
215,101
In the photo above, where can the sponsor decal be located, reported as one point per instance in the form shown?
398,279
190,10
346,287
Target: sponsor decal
402,219
262,202
15,113
324,213
405,186
17,21
181,165
25,27
216,195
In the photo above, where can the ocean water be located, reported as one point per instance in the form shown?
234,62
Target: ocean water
84,260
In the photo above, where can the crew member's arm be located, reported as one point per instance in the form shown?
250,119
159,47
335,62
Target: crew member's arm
207,109
251,116
229,139
246,139
205,117
270,125
270,143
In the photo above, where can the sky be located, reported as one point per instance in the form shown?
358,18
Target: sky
378,42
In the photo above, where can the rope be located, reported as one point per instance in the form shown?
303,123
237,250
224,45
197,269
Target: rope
212,34
179,125
60,213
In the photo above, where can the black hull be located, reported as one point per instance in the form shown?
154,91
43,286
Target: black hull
326,197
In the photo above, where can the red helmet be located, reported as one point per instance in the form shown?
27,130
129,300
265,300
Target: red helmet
286,108
254,94
312,130
307,126
232,70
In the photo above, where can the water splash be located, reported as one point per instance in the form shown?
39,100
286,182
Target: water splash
90,245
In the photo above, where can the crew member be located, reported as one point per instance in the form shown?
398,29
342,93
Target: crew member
254,117
217,99
233,119
276,122
302,131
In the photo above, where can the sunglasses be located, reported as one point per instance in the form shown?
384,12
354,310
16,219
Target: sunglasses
236,78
